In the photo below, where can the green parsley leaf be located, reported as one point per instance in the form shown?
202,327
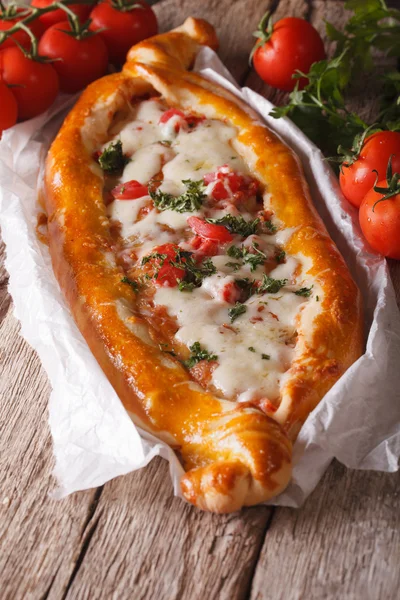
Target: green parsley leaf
280,256
134,284
190,201
254,259
265,356
271,285
197,354
195,272
236,311
251,349
237,224
304,291
270,226
112,159
233,265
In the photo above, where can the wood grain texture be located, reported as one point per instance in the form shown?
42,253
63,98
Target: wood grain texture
40,538
149,544
234,21
132,538
344,542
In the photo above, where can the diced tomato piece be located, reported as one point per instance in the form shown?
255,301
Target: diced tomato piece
167,274
131,190
229,184
171,112
219,191
231,293
204,247
191,120
210,231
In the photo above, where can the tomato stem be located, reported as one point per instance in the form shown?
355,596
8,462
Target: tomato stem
34,13
125,5
263,33
393,181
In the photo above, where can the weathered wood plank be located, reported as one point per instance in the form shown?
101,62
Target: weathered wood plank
234,21
40,538
149,544
344,543
133,539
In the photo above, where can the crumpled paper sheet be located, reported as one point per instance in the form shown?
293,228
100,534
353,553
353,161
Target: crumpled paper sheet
358,421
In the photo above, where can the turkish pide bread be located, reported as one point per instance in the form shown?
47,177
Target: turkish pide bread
185,241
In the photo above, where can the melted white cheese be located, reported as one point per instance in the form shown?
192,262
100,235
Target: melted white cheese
256,350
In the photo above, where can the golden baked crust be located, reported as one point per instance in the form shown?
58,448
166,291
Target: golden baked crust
234,455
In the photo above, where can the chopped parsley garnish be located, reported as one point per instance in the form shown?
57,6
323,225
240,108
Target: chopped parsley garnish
112,159
280,256
235,266
236,311
237,225
189,201
194,272
304,291
248,287
157,255
270,226
134,284
270,285
265,356
317,298
251,349
254,259
197,354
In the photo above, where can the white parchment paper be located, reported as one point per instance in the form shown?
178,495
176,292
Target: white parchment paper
358,421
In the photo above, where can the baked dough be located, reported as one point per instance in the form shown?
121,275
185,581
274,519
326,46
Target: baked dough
235,453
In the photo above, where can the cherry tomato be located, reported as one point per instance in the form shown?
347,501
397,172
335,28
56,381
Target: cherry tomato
204,247
229,184
167,274
20,36
36,82
131,190
380,223
293,45
82,60
357,179
55,16
231,292
210,231
123,28
181,120
9,109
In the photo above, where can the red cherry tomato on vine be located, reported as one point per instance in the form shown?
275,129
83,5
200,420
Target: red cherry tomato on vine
131,190
20,36
293,44
210,231
123,28
82,60
380,223
357,179
9,109
55,16
36,83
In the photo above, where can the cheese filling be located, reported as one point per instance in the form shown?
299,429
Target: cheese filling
244,312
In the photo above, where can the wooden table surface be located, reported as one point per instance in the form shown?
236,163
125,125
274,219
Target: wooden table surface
131,538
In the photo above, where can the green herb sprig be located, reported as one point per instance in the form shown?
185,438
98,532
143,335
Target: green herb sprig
321,108
112,160
197,354
190,201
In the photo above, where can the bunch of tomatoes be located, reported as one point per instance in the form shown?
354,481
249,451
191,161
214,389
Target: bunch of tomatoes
51,49
370,180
